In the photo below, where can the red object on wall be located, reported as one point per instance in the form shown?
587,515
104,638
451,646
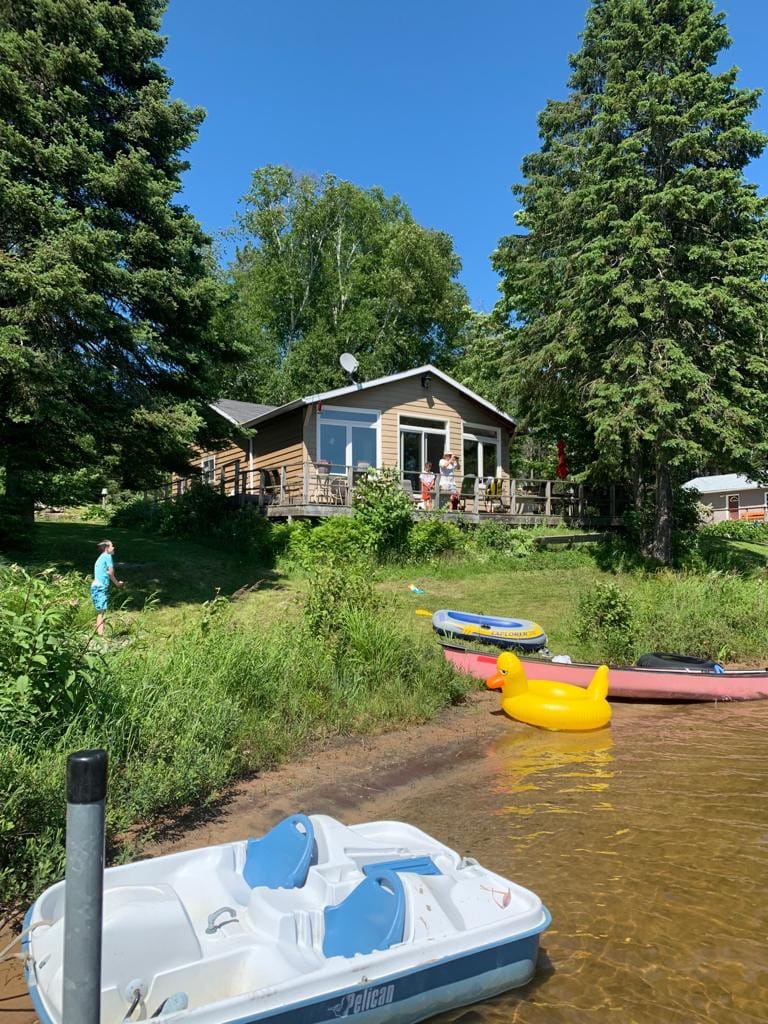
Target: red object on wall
562,466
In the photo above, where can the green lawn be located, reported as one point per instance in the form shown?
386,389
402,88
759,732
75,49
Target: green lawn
545,586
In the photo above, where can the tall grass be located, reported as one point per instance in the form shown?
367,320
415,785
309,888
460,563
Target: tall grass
714,615
181,719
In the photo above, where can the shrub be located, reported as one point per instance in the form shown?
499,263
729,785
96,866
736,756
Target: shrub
346,538
433,536
737,529
494,538
202,513
606,623
385,510
48,667
337,587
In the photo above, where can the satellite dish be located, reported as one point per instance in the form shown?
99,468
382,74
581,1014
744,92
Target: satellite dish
348,362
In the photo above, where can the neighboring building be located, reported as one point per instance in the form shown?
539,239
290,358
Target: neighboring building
732,496
309,450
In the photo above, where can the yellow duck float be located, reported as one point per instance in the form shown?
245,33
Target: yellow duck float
548,704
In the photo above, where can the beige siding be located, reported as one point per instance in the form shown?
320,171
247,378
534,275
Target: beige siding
278,443
749,499
408,398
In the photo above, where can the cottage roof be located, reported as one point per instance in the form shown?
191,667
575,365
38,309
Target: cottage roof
270,412
240,412
724,482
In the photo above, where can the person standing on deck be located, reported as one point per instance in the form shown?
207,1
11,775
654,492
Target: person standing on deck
103,575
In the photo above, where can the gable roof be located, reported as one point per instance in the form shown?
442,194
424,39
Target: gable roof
240,412
270,412
724,482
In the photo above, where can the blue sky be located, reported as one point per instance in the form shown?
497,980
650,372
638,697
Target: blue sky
435,100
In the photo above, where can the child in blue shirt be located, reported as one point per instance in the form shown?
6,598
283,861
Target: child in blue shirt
103,575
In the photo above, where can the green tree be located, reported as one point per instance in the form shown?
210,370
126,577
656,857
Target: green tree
326,267
106,283
640,282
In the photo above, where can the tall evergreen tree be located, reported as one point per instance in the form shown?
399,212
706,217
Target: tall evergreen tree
640,283
105,282
326,267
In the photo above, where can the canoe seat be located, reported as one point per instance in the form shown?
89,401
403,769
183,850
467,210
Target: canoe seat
371,917
281,858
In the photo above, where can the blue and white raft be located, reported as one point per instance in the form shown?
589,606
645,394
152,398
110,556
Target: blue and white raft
512,634
314,922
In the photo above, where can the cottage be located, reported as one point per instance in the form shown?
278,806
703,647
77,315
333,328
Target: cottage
732,496
309,452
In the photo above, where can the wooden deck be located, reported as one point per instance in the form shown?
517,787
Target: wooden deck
324,511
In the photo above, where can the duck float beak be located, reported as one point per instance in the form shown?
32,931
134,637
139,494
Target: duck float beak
496,682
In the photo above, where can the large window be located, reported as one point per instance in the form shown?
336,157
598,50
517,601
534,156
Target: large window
481,452
421,441
347,437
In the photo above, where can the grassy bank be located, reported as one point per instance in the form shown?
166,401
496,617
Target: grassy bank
195,690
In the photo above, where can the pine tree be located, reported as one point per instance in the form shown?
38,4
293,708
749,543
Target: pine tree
640,283
105,282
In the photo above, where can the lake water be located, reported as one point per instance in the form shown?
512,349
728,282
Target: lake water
647,841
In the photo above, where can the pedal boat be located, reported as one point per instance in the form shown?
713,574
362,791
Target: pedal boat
314,922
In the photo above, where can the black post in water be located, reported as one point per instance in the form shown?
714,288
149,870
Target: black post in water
84,889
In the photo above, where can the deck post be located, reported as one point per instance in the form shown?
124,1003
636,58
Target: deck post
548,498
581,501
261,488
350,485
84,889
476,509
305,485
282,484
513,496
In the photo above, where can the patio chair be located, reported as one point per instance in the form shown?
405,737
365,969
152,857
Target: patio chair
407,486
494,496
467,492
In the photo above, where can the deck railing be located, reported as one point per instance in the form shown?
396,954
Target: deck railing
297,483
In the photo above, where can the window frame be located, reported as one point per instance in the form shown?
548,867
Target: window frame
204,471
338,420
442,426
479,432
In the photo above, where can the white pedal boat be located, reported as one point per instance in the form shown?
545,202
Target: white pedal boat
314,922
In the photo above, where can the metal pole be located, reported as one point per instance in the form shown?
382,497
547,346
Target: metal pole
84,888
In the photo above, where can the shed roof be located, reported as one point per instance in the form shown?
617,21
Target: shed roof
724,482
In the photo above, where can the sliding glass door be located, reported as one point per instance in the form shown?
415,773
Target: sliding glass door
421,441
481,454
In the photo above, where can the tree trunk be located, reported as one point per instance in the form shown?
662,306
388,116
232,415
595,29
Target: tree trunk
661,542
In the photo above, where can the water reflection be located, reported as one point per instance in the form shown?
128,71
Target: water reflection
647,842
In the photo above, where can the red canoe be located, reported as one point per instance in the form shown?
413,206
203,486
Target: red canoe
634,683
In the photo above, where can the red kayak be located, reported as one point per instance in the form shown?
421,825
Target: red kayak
633,683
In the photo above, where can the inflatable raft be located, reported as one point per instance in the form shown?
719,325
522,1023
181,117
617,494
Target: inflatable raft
313,922
629,682
513,634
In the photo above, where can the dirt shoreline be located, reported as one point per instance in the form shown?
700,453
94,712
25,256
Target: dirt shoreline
343,779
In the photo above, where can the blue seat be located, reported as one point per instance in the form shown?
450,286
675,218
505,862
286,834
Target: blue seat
371,917
281,858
